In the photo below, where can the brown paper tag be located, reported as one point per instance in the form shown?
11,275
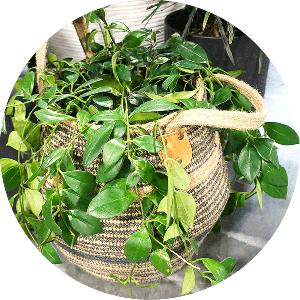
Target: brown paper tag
178,147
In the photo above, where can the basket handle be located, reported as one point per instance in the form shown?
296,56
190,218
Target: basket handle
222,118
40,56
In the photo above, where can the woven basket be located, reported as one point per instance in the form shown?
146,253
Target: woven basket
103,253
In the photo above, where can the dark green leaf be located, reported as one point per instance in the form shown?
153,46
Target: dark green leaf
101,89
230,205
273,175
110,203
148,143
76,201
107,115
43,232
49,116
244,101
134,39
67,164
68,235
221,96
83,222
95,144
123,72
48,217
189,281
113,151
51,254
192,52
11,178
146,205
237,140
274,157
194,245
187,65
156,105
107,174
52,158
138,246
161,261
281,133
273,191
216,268
217,227
132,180
264,147
146,170
249,162
229,264
81,182
119,129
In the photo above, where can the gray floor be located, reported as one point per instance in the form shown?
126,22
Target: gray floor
244,233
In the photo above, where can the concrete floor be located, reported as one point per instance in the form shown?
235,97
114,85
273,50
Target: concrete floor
244,233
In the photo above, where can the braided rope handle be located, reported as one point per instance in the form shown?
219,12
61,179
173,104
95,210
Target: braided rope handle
40,55
222,118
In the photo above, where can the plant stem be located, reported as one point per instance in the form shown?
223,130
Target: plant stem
189,23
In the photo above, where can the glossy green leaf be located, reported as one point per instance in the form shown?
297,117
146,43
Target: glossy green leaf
249,162
76,201
273,191
50,92
51,254
95,144
113,151
274,157
145,169
156,105
83,117
110,203
134,39
123,72
171,81
160,259
107,174
83,222
81,182
11,177
273,175
132,180
230,205
244,101
180,177
264,147
119,129
48,217
185,208
67,163
49,116
221,96
192,103
144,117
281,133
118,27
107,115
192,52
229,264
237,140
216,268
27,84
43,232
138,246
186,64
52,158
102,89
148,143
117,183
189,281
69,235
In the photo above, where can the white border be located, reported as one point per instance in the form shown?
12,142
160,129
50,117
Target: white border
25,25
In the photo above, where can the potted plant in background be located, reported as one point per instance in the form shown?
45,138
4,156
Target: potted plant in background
226,46
93,155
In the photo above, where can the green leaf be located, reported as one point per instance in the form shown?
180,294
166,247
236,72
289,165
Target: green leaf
48,217
69,235
122,281
217,227
20,110
189,281
67,163
155,105
107,174
185,208
259,195
134,39
51,254
249,162
33,201
144,117
148,143
15,141
83,117
110,203
172,232
192,52
132,180
27,84
138,246
180,177
230,205
81,182
95,144
118,183
186,64
264,147
11,177
52,158
113,151
273,175
118,27
123,72
229,264
244,101
221,96
274,157
281,133
160,259
50,92
194,245
177,96
102,89
171,81
119,129
43,232
75,201
107,115
192,103
50,117
237,140
216,268
273,191
83,222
